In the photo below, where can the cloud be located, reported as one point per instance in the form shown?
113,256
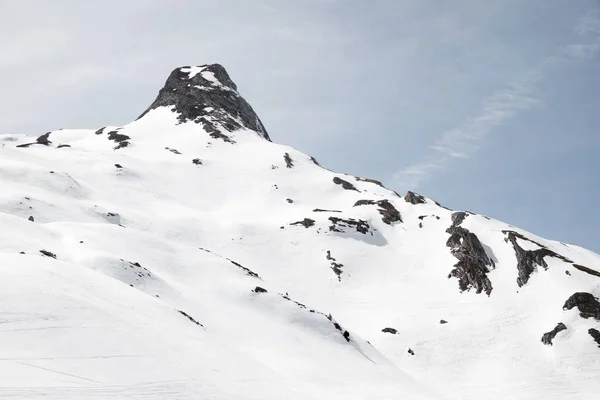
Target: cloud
505,104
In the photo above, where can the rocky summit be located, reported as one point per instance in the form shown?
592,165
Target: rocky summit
186,256
207,95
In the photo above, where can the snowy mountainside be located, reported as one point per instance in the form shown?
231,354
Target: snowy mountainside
185,255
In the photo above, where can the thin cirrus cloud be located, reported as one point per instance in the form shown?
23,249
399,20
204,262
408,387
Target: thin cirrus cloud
505,104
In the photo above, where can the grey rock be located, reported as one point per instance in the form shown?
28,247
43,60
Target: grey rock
595,334
390,330
188,317
528,260
387,210
288,160
414,198
586,303
587,270
548,337
474,263
174,151
120,139
368,180
344,184
458,217
338,225
48,254
306,222
216,105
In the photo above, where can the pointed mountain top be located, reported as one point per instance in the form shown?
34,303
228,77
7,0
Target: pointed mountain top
206,94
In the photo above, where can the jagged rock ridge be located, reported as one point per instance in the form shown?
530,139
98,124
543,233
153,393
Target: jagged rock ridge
207,95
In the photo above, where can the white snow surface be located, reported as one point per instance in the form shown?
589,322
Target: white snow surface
137,243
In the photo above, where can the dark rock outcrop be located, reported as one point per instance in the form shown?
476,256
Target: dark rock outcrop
306,222
344,184
190,318
120,139
337,326
474,264
48,254
586,303
207,95
388,212
338,225
595,334
336,267
548,337
43,140
197,161
390,330
587,270
414,198
174,151
458,217
289,163
248,271
258,289
368,180
528,260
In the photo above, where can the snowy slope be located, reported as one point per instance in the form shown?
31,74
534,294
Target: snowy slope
185,255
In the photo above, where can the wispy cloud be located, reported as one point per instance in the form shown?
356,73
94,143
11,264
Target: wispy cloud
505,104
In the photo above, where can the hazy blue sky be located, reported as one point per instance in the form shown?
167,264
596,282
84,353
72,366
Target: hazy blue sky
487,105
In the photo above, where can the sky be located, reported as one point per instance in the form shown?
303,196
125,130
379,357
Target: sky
491,106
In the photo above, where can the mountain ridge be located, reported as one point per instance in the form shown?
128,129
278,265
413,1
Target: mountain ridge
319,284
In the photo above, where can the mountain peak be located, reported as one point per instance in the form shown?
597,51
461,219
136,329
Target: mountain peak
207,95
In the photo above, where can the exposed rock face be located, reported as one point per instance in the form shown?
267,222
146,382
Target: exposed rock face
587,270
528,260
335,266
345,184
306,222
340,224
120,139
390,330
190,318
43,140
549,336
289,163
48,253
459,217
414,198
595,334
207,95
586,303
474,264
387,210
373,181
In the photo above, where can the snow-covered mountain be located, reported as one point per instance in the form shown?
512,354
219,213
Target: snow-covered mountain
186,256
